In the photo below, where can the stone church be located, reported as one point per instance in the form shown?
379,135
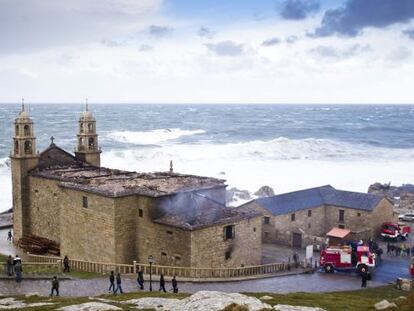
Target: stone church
107,215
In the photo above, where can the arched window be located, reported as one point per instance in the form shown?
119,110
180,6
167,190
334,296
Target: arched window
27,147
26,130
90,127
91,143
16,147
81,127
17,130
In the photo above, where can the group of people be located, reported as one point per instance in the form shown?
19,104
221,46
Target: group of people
399,250
116,280
14,266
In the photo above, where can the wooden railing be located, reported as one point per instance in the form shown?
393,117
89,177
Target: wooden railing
183,272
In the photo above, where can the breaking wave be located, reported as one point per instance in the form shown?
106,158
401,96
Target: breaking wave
151,137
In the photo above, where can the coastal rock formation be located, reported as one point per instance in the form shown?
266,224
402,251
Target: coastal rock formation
265,191
12,303
296,308
402,196
202,301
90,306
235,195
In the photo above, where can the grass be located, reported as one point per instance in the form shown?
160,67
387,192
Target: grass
359,300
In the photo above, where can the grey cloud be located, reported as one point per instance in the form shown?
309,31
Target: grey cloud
26,26
226,48
159,31
291,39
356,15
409,33
145,48
330,52
298,9
271,41
111,43
206,32
399,54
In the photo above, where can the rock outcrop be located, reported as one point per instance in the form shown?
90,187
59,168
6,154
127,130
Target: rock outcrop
265,191
234,195
402,196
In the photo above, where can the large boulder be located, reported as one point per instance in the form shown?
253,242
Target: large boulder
234,195
384,304
90,306
265,191
295,308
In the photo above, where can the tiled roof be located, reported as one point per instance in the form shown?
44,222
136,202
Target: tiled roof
309,198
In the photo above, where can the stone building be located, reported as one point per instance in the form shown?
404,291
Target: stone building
304,217
107,215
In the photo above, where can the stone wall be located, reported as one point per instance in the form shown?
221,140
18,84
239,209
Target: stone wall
384,212
208,246
87,233
168,245
126,213
45,201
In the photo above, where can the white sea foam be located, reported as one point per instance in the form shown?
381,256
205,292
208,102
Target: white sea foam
151,137
284,164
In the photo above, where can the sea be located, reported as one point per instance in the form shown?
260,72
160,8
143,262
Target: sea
287,147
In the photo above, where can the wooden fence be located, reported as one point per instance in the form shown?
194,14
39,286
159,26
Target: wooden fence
183,272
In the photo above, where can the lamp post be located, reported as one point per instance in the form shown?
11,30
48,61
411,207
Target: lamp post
151,260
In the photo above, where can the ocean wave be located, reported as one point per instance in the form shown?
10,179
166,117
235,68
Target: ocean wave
277,149
151,137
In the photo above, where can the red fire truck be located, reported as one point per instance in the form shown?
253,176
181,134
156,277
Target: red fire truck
394,231
344,258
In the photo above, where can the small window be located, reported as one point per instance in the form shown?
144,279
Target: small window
266,220
254,229
163,254
227,254
359,214
169,232
292,217
341,226
140,213
85,202
341,215
309,226
177,259
266,234
309,213
229,232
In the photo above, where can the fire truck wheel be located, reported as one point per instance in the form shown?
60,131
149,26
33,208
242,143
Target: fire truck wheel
362,268
328,268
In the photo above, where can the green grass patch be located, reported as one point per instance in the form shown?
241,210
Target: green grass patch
85,275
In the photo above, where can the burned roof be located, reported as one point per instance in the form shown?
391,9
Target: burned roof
196,210
117,183
54,156
309,198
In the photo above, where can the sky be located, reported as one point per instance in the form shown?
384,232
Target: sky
182,51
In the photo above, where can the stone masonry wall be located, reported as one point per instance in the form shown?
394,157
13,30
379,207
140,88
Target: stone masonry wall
45,201
87,233
208,246
354,219
384,212
168,245
311,226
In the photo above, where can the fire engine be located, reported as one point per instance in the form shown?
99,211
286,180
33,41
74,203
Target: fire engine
345,258
393,231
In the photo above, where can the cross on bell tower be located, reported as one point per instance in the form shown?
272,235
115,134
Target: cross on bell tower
87,149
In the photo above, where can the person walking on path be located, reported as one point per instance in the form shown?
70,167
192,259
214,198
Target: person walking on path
55,286
66,264
18,270
9,265
16,260
365,276
9,236
140,279
118,284
162,284
112,282
174,285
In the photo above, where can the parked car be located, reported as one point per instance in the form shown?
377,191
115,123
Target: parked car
406,217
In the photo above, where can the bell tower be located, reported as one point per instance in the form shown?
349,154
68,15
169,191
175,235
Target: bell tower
23,159
87,149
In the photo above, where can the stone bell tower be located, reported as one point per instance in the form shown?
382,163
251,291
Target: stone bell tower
87,149
23,159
